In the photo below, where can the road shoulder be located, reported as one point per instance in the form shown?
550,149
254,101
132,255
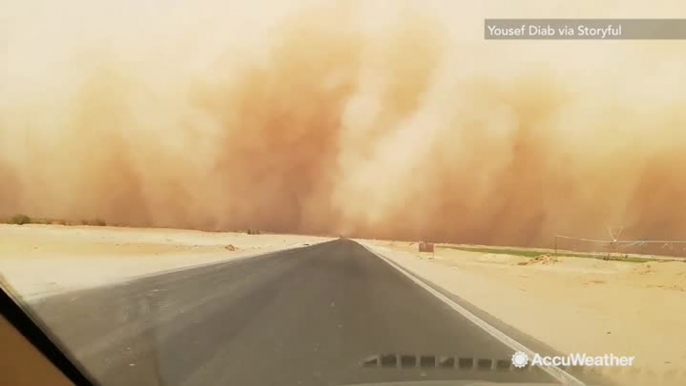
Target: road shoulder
546,326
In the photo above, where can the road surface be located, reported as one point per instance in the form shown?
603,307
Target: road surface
308,316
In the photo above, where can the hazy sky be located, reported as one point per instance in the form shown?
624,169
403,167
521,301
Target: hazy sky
378,118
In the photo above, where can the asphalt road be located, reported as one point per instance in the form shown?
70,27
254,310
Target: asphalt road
308,316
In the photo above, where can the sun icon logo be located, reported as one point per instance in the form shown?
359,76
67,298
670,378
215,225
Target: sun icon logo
520,359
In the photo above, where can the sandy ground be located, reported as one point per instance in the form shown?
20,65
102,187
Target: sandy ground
39,260
572,304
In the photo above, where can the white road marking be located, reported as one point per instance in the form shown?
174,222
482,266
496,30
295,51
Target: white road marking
562,376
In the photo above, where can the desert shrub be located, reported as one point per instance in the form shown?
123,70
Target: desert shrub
96,223
20,219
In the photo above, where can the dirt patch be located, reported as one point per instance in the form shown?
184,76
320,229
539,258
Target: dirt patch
646,269
541,259
595,281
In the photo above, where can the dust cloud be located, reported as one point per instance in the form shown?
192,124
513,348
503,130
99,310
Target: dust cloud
364,118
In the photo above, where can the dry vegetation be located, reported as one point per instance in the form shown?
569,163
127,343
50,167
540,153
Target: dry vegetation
22,219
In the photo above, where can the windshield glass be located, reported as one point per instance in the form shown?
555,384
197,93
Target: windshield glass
318,192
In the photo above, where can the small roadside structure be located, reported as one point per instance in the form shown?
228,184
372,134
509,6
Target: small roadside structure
426,247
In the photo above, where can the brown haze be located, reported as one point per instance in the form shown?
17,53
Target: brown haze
389,119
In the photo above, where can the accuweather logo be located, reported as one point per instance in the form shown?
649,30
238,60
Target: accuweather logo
521,359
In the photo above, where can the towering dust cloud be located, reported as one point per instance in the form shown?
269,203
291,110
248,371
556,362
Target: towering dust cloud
369,118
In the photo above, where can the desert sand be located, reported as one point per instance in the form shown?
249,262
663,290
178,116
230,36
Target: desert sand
41,260
574,305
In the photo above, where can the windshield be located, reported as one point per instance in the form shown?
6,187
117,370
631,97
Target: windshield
326,192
